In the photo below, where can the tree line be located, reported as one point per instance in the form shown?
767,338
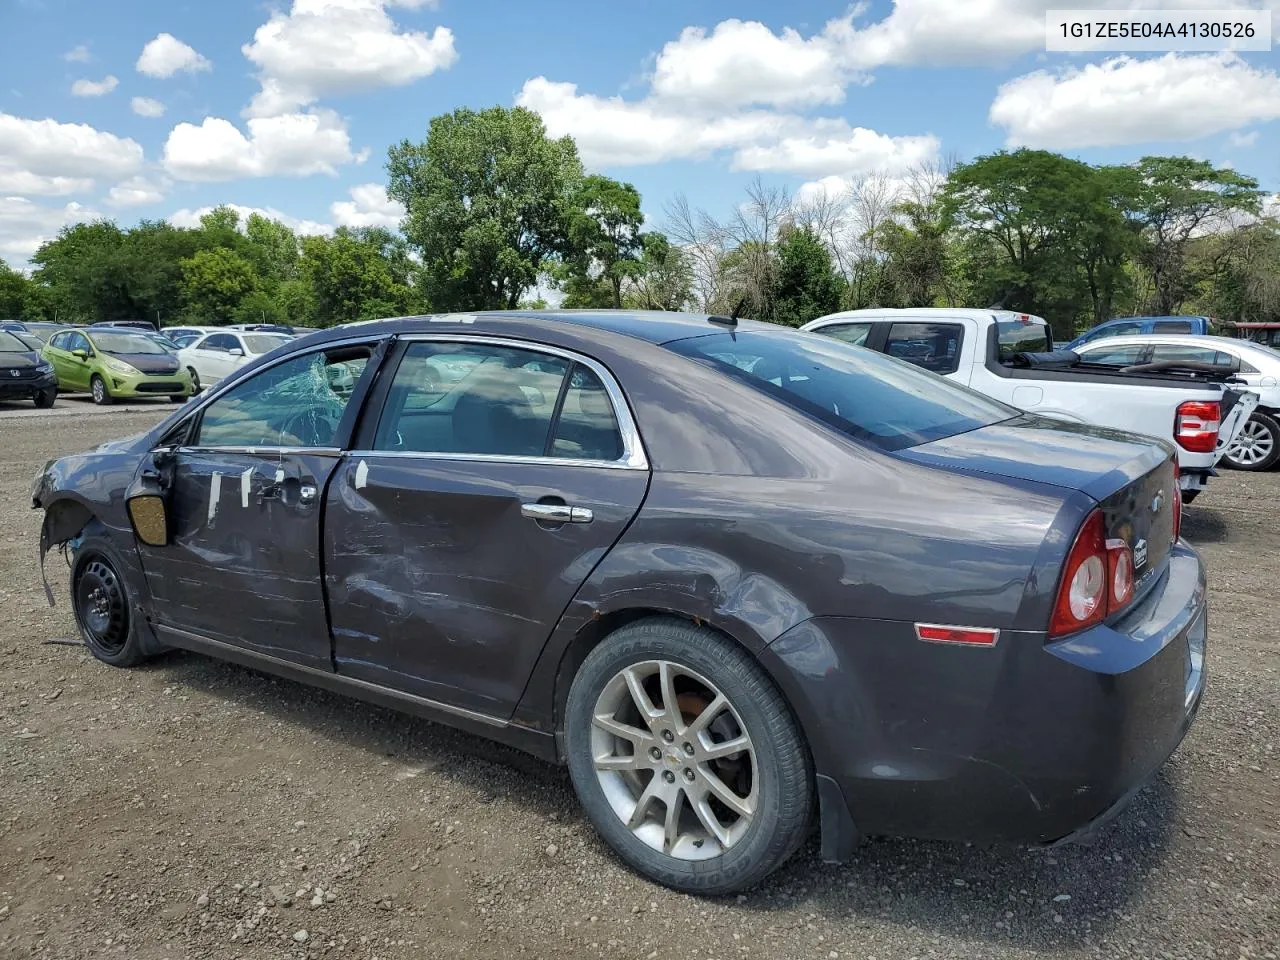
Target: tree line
496,211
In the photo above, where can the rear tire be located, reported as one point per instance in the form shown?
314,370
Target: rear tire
664,792
98,388
46,398
1257,447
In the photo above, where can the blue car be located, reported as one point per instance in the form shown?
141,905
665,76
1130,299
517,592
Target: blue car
1126,326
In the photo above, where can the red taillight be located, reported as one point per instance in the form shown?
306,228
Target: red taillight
1196,425
1097,579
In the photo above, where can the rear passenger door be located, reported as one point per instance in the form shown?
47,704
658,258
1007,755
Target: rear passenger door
491,477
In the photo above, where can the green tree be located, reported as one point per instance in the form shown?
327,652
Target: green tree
351,277
15,294
916,252
807,285
604,244
664,280
274,248
487,196
1027,217
215,283
1179,199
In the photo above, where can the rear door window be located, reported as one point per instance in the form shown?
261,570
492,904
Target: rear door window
1173,326
875,398
1173,353
932,346
1022,336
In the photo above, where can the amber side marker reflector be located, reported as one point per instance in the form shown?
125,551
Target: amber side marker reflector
149,520
966,636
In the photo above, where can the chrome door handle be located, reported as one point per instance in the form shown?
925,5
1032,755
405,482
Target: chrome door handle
556,513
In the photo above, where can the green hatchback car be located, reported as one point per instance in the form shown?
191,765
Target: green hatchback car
116,364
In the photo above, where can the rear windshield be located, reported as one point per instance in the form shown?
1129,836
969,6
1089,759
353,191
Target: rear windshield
1023,336
865,394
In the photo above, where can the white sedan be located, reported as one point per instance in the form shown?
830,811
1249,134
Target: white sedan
1257,446
217,355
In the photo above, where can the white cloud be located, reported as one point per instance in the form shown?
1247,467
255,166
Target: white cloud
78,54
295,144
325,47
147,107
1126,101
165,55
834,146
45,157
369,206
743,63
25,225
191,218
94,88
1244,139
136,192
612,131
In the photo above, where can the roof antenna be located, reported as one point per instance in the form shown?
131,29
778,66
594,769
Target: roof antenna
732,319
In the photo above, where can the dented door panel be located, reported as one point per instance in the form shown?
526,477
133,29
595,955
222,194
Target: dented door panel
243,566
441,587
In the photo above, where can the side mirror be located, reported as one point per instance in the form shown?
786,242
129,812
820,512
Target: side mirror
80,354
149,518
145,499
236,352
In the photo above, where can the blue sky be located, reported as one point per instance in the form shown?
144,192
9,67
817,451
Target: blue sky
144,108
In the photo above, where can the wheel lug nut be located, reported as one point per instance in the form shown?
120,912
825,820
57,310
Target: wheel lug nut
688,748
688,774
668,736
655,753
668,776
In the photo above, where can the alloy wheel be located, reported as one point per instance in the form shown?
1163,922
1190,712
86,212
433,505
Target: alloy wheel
1252,446
99,390
674,760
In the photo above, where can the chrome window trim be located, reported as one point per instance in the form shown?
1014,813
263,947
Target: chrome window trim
633,453
265,450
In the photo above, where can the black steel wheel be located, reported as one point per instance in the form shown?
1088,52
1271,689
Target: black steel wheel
100,598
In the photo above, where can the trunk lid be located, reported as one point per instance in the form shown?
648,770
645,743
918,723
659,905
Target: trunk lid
1096,460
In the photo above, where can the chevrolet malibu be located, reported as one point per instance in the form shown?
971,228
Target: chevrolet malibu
739,579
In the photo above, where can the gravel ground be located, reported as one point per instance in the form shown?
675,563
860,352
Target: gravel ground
194,809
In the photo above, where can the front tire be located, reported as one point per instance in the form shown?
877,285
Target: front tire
195,381
45,398
104,613
98,388
686,758
1257,447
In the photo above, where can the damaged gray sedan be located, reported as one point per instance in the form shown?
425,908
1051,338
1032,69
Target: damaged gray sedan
741,580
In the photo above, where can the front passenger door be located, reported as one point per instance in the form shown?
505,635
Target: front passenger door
243,565
495,479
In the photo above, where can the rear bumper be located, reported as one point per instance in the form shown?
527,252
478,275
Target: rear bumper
1026,742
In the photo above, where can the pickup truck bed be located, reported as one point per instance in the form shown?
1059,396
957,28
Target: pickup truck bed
1194,411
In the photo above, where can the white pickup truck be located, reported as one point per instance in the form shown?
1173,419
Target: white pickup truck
1008,356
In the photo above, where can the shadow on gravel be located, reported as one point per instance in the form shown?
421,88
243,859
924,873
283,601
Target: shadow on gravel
992,894
1204,525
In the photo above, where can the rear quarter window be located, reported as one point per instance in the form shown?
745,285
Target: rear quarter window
1022,336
